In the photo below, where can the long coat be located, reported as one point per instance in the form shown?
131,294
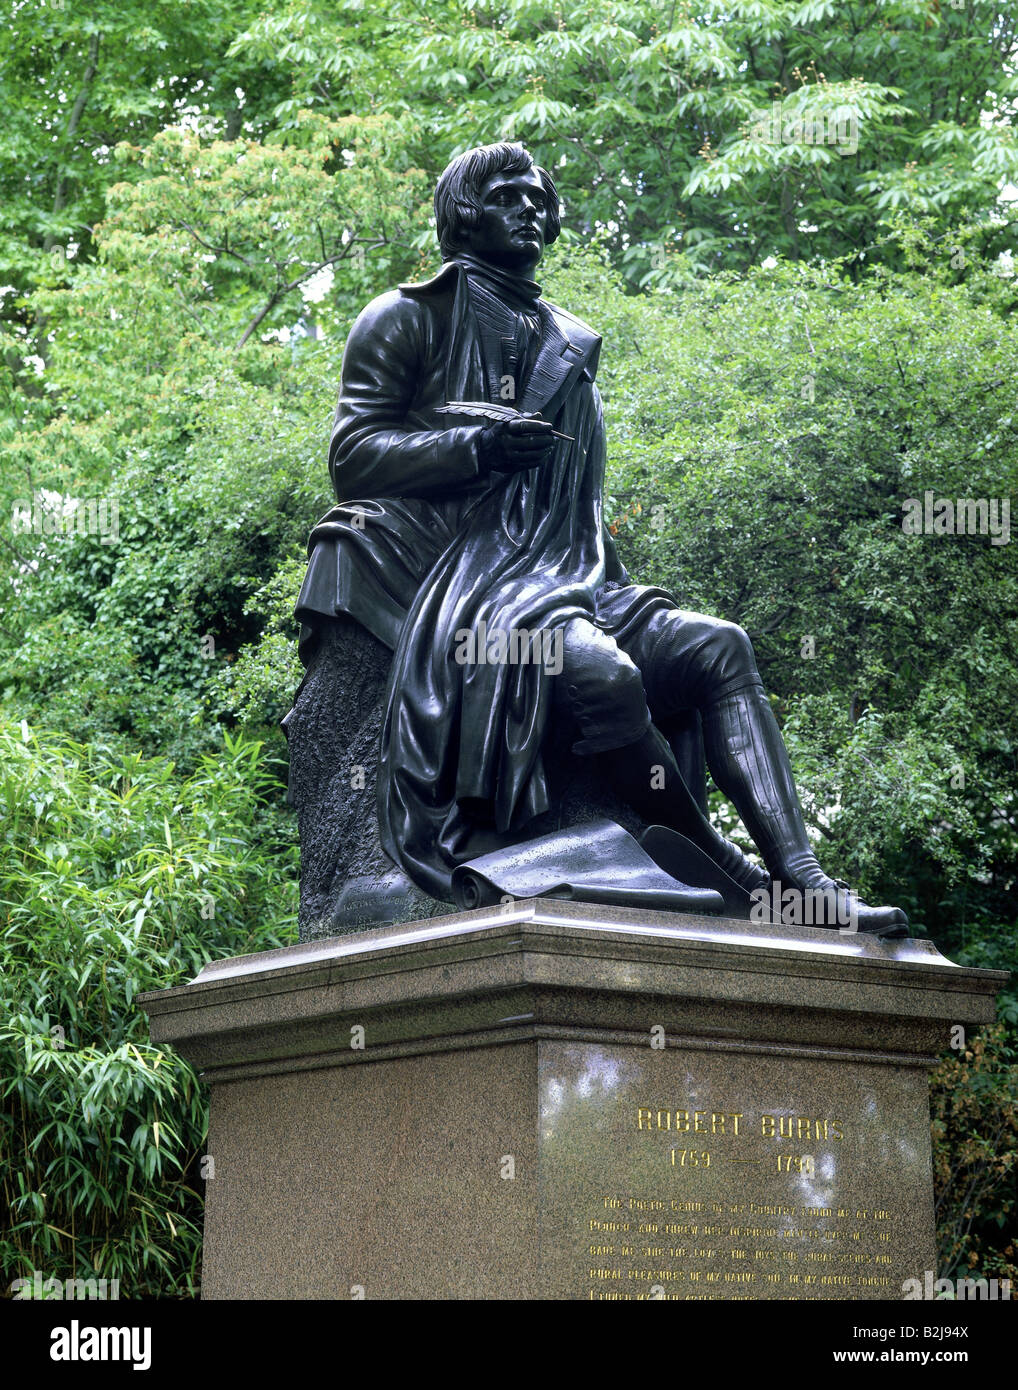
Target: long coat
424,546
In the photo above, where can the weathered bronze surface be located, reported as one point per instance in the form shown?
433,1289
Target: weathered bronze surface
468,461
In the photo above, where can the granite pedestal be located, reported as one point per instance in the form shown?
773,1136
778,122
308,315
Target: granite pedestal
568,1102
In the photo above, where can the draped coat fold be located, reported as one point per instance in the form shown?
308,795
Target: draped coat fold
424,546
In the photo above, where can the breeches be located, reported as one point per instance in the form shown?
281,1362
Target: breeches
673,662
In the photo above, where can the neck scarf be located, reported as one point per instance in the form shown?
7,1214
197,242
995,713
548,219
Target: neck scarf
515,290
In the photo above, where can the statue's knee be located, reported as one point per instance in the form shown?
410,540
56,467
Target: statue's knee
735,644
727,653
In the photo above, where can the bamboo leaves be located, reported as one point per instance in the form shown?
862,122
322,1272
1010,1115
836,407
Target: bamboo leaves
100,1133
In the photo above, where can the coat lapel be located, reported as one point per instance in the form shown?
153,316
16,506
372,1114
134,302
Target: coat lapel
568,348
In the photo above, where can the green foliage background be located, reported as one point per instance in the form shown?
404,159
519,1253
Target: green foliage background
195,201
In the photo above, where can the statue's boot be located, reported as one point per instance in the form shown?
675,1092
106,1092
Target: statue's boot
748,761
646,775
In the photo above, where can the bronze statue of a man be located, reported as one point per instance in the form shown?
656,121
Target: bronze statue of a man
453,523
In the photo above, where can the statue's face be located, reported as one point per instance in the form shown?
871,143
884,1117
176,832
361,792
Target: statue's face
513,221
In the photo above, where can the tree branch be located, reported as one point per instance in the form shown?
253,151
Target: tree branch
284,290
223,250
73,121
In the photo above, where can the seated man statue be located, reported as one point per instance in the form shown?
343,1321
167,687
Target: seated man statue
468,457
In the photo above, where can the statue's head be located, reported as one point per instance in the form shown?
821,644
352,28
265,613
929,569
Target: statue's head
497,204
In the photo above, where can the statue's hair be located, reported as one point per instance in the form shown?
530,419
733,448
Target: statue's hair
457,196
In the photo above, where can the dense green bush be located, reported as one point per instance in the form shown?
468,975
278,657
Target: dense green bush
764,434
118,875
974,1098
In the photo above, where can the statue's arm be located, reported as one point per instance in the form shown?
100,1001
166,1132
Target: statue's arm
374,452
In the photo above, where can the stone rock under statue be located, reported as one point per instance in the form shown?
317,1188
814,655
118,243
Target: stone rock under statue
491,708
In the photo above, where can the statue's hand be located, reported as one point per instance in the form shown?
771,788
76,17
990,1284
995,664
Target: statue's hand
516,445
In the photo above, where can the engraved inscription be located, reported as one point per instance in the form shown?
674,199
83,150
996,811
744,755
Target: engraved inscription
730,1175
714,1236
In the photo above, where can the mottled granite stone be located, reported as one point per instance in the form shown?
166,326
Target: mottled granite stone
492,1105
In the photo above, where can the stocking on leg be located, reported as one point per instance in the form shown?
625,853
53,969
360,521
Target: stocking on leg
646,775
748,761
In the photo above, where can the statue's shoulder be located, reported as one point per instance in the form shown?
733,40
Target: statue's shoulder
579,333
405,307
392,322
387,310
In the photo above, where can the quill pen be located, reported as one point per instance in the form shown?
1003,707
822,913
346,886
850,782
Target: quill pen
493,412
